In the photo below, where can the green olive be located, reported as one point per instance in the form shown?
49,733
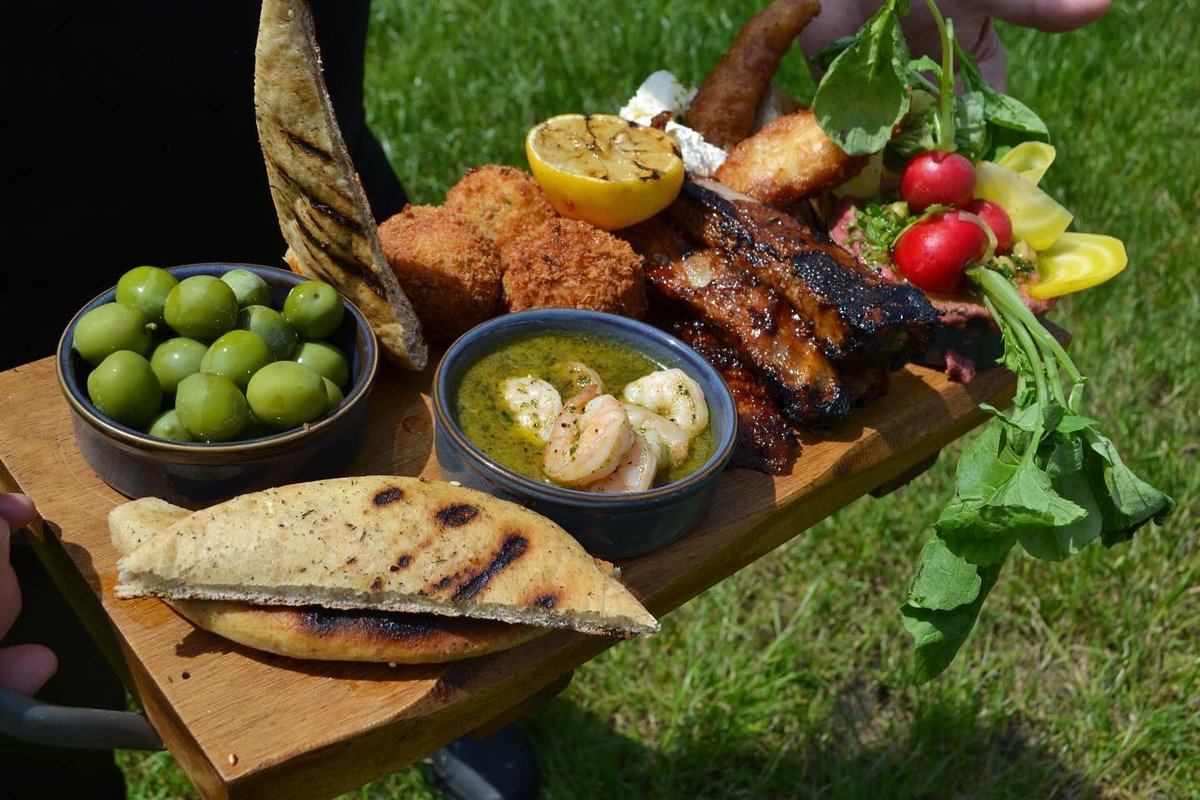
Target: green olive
237,355
146,289
201,307
314,308
175,359
326,359
272,326
211,407
166,425
250,289
125,388
256,428
335,394
286,394
108,328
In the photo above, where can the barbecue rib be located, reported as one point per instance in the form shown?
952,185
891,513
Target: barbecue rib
856,316
749,316
765,440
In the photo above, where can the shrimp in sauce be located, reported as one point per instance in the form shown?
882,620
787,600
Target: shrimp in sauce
675,395
635,473
588,439
534,403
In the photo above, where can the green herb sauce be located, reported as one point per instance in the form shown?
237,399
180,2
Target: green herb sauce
484,417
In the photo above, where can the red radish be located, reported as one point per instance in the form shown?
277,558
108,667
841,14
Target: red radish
937,178
997,219
934,253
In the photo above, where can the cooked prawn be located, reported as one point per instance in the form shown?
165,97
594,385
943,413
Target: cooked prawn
580,375
635,473
587,439
673,394
668,440
535,404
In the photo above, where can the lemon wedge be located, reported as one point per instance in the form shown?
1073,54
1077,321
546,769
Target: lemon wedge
604,170
1077,261
1037,217
1030,160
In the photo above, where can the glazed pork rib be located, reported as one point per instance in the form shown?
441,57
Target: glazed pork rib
857,317
749,316
765,440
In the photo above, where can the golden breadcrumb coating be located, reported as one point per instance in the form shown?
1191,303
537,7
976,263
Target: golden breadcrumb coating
448,269
571,264
501,202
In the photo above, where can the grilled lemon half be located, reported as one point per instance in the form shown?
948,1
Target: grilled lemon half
604,170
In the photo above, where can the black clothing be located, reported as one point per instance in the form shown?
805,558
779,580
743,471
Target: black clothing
132,141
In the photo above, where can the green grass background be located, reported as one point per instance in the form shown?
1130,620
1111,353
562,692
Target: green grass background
789,679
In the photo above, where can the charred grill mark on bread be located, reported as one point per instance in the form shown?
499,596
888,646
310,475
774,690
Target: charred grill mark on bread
546,601
511,549
370,624
300,143
388,495
343,219
857,316
350,264
457,515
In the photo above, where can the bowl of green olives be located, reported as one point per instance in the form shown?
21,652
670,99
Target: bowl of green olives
201,382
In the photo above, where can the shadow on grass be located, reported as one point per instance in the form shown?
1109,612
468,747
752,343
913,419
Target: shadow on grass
866,747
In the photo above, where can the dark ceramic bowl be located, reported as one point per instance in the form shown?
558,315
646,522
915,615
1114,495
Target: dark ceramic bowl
195,475
612,526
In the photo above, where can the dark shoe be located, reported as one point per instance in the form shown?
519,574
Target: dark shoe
502,766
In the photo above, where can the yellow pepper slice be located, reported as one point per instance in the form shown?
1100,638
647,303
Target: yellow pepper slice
1077,261
1037,218
1030,160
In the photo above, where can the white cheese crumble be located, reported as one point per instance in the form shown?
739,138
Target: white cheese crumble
661,92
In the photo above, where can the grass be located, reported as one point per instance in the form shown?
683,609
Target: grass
788,680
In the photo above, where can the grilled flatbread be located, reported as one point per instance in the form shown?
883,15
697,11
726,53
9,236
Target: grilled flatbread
389,543
313,632
319,199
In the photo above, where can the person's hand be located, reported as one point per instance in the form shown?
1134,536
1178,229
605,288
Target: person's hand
972,25
23,667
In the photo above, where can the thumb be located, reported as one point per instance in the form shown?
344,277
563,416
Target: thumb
24,668
1052,16
16,509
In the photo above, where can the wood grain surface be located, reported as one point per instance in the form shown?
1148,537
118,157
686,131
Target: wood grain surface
247,724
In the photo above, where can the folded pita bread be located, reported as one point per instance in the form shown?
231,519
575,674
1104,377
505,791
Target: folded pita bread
313,632
381,542
319,199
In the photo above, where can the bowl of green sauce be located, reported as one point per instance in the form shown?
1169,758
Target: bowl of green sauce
614,429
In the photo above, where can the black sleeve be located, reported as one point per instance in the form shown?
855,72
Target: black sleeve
133,124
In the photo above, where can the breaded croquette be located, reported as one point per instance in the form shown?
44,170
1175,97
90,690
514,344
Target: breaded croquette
448,269
567,263
501,202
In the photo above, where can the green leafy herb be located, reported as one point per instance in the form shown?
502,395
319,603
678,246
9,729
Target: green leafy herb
864,93
872,86
1043,477
875,227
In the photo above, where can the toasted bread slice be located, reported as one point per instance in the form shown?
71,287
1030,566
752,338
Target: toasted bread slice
319,199
313,632
382,542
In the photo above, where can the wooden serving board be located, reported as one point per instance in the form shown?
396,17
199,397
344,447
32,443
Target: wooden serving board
246,724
